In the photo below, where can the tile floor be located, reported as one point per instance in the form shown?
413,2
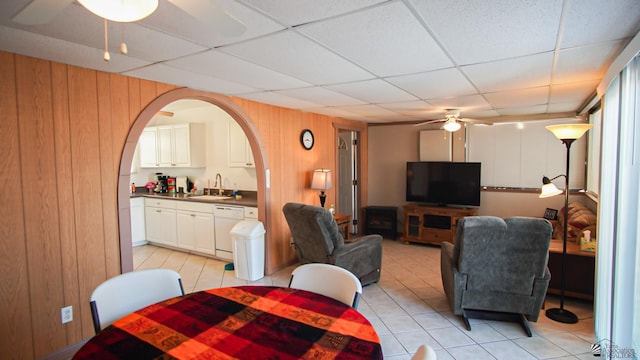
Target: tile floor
408,307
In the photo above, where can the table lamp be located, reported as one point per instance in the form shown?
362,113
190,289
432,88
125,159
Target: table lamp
321,181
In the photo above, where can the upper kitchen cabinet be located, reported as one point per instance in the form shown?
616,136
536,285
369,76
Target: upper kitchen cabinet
177,145
240,154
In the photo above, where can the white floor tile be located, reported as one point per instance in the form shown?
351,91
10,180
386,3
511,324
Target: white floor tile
408,307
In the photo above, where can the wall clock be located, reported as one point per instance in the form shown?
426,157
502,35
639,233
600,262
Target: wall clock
306,139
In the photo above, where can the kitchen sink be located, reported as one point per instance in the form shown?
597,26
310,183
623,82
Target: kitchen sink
212,197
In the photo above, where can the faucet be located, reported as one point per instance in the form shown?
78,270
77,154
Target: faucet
218,183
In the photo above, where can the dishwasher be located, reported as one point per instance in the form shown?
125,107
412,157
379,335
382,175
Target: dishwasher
225,217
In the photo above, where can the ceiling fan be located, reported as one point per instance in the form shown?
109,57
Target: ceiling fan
39,12
452,121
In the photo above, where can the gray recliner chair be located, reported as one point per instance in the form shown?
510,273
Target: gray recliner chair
317,239
497,268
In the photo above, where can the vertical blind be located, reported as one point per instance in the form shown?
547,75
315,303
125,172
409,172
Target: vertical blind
617,309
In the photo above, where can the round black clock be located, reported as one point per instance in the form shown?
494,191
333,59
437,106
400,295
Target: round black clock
306,139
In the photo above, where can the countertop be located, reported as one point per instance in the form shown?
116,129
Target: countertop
248,199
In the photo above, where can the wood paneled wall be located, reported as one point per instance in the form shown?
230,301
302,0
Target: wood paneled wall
64,129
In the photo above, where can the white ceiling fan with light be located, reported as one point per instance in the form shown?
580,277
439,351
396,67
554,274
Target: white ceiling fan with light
453,122
39,12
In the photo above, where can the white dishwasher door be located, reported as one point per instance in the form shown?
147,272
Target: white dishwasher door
225,218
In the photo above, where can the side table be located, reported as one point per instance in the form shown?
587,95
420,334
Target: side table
580,270
343,221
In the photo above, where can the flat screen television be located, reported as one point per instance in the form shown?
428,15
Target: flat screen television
444,183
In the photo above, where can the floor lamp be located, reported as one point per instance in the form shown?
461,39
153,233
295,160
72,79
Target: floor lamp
567,133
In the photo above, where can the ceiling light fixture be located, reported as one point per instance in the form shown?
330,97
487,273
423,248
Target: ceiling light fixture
452,125
121,10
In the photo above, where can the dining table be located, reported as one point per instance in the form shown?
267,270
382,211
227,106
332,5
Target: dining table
240,322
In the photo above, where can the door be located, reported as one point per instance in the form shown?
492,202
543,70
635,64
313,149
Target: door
348,170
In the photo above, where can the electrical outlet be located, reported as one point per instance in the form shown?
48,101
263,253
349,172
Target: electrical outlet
66,314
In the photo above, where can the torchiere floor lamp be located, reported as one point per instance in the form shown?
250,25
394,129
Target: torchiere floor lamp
567,133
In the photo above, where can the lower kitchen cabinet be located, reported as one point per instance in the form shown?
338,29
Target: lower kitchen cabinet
194,226
160,219
196,229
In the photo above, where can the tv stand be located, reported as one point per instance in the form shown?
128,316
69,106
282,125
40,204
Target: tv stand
432,224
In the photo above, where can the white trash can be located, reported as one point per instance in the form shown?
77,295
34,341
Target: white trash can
248,249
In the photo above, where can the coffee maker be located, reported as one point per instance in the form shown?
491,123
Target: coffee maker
161,183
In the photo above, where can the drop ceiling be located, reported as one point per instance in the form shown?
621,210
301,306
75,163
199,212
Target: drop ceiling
366,60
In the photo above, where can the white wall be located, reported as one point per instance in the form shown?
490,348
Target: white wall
217,129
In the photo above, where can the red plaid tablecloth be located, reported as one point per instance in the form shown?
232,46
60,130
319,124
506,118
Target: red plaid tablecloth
244,322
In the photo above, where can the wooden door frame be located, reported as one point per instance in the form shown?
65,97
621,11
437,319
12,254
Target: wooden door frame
362,158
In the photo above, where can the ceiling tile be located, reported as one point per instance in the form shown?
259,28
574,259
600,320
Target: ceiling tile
296,12
521,97
280,100
321,95
480,31
524,72
39,46
586,19
172,20
564,107
523,110
386,40
369,110
88,29
480,113
434,84
578,92
419,109
585,62
463,103
373,91
298,57
332,111
223,66
171,75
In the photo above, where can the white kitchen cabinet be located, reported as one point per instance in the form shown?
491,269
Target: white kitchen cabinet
138,233
148,147
160,220
240,154
195,226
176,145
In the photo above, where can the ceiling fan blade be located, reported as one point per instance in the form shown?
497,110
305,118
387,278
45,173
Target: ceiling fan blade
212,15
39,12
476,121
429,122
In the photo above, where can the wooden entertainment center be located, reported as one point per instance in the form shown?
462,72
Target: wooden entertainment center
432,224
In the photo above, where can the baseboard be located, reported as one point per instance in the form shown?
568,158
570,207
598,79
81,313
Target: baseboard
65,353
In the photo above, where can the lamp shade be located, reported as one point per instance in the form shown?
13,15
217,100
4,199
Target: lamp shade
321,179
452,125
549,190
121,10
569,131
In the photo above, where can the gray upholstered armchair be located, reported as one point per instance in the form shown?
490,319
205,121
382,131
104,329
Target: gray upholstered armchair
317,239
497,268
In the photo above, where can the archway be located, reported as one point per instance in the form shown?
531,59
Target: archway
231,108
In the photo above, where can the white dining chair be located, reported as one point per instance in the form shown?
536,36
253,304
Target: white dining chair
132,291
424,352
329,280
